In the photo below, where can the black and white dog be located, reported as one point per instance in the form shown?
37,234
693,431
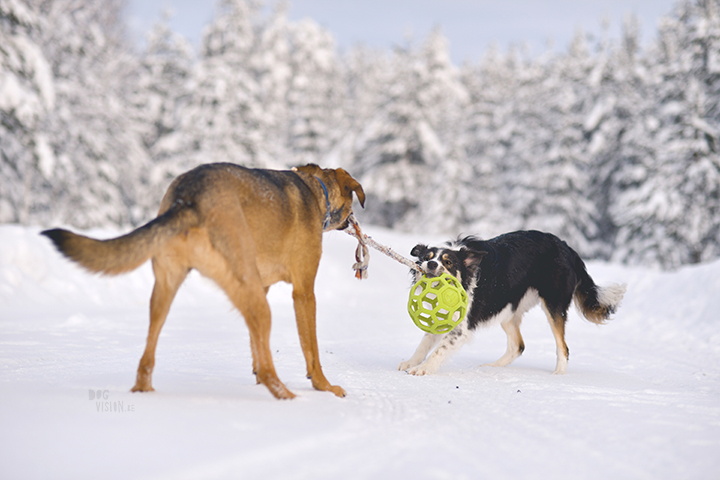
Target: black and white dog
505,277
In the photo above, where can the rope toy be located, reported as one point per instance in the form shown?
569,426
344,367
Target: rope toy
362,253
436,305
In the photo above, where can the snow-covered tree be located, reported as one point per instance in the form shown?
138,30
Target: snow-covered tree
366,74
400,150
566,119
489,129
670,214
162,91
27,94
96,145
64,108
223,119
273,70
621,128
525,138
444,100
315,95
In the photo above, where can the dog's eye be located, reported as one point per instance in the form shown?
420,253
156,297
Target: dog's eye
447,262
429,256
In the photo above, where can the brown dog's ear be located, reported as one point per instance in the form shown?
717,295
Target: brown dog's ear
309,169
348,184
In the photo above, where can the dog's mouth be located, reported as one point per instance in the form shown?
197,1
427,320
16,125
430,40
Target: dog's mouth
340,217
345,224
432,269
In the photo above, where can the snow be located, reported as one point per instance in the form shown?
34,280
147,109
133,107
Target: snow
641,399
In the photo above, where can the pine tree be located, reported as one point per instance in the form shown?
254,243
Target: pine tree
366,74
273,71
314,97
625,134
163,90
488,134
567,119
401,149
223,119
670,214
97,147
390,157
67,113
27,94
444,100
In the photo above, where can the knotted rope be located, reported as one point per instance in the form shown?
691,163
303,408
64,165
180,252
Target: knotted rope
362,253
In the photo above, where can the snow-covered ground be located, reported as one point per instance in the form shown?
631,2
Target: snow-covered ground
641,399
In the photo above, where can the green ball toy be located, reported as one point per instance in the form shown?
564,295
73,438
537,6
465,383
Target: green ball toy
437,304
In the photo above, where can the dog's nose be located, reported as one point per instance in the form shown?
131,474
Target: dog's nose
432,265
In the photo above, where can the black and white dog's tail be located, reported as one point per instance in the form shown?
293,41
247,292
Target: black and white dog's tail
594,302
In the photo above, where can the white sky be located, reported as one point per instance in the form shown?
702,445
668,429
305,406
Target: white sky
470,25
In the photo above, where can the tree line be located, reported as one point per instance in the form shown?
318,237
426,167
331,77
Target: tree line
613,147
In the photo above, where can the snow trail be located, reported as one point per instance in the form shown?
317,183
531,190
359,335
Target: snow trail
639,401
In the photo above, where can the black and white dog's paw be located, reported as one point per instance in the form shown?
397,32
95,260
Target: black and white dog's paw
426,368
407,365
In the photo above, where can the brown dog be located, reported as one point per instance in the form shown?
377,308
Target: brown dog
244,228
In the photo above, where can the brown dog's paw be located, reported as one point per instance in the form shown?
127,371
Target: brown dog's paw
319,382
338,391
141,388
283,394
277,388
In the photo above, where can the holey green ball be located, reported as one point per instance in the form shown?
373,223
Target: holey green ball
437,304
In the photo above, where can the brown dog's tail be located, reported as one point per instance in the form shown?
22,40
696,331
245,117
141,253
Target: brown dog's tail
594,302
125,253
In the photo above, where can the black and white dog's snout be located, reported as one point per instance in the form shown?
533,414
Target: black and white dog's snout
432,268
434,261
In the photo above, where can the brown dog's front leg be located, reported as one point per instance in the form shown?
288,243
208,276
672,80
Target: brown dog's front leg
305,315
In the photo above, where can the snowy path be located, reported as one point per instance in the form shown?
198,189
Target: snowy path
641,399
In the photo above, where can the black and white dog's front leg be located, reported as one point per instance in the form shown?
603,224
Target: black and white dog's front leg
427,343
447,345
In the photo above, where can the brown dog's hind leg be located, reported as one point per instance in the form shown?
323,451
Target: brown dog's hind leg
256,312
248,296
304,302
230,263
168,278
254,363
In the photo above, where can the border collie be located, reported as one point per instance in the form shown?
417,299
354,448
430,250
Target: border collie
505,277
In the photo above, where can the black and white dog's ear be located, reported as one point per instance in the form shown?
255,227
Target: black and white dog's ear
473,258
419,250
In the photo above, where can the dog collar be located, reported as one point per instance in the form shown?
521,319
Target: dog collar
326,222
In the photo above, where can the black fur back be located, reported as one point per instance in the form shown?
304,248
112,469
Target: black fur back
516,262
